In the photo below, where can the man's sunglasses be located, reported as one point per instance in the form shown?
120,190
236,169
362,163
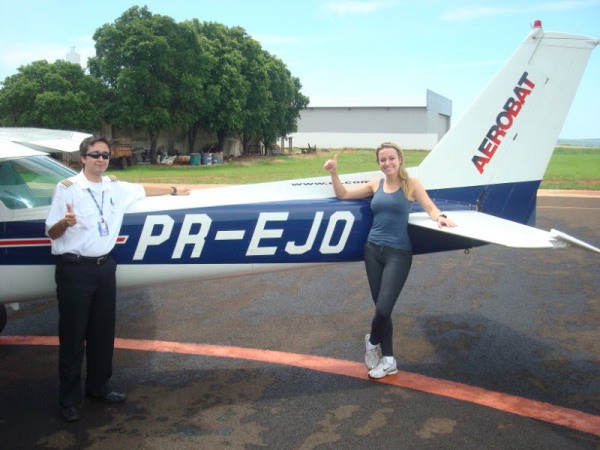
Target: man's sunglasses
96,155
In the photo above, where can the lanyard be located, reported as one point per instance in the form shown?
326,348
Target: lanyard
100,208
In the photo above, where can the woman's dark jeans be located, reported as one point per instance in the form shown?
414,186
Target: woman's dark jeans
387,269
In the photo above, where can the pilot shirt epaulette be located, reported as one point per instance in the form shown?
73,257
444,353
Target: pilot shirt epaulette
112,178
67,182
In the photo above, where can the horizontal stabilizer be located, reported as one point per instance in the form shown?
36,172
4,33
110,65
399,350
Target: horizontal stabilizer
487,228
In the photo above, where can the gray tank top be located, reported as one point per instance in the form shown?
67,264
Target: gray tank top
390,219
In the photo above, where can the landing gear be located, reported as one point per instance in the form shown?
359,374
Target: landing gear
2,317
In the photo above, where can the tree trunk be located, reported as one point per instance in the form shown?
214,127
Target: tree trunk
221,135
191,136
153,136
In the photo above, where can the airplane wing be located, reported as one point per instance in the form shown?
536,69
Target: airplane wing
10,150
487,228
45,140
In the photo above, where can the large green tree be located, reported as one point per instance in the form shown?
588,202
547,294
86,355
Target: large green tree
286,103
154,74
55,95
154,70
228,86
252,92
259,101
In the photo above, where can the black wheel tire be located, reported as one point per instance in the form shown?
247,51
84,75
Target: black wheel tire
123,163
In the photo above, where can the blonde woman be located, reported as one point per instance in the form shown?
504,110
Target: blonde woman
387,252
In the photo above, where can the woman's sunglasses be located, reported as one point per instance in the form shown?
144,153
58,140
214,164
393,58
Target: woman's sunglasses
96,155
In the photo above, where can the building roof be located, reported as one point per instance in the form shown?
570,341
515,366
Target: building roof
430,100
368,102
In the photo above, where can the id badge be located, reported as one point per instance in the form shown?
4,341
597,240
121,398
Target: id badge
103,228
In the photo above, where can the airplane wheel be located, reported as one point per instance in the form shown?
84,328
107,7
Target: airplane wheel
2,317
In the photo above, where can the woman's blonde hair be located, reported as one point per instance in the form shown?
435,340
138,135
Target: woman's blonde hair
402,173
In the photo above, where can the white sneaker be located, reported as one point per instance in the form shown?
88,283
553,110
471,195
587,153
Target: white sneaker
372,357
383,369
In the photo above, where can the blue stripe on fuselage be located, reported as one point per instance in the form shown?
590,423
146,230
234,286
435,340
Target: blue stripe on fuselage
278,232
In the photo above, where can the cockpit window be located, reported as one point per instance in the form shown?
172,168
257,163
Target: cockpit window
30,182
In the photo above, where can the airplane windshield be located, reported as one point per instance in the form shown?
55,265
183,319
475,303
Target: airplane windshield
30,182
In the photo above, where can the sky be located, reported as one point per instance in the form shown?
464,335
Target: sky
340,49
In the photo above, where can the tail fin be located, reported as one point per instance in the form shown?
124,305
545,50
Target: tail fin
508,134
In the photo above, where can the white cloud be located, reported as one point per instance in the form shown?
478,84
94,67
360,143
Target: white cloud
355,6
471,13
492,11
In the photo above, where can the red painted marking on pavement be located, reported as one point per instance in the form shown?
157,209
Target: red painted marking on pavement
513,404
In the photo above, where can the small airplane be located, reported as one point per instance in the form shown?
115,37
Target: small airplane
485,173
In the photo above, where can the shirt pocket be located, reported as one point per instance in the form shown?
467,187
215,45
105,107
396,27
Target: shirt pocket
88,216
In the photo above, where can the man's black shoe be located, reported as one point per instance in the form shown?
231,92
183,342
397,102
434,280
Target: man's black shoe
110,397
69,413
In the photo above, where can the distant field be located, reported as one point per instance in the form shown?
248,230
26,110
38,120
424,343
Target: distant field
570,168
573,168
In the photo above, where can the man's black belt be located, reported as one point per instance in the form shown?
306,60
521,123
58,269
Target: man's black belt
73,258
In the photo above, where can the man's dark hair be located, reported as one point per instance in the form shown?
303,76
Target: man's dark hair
89,141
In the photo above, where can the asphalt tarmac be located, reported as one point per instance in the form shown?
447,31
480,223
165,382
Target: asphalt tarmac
497,349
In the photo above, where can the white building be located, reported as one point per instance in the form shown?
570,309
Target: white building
73,57
411,122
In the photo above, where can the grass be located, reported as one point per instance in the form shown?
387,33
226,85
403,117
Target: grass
573,168
569,168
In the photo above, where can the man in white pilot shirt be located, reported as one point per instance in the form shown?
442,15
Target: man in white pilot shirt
83,222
